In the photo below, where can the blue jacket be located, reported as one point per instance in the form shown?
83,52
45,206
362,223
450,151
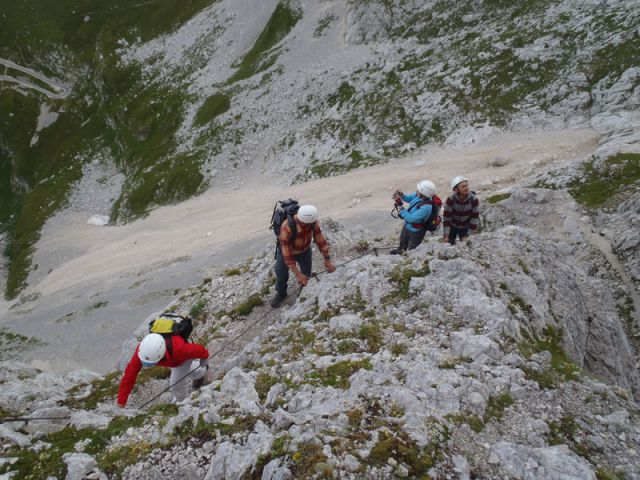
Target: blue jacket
411,214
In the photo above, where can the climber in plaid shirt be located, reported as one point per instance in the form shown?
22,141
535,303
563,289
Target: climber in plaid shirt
291,255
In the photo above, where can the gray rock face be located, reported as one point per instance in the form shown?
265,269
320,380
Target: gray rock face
239,386
232,461
48,426
79,465
553,463
582,304
84,419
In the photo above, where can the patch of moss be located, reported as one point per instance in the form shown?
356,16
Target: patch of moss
215,105
398,349
243,309
298,340
46,463
497,198
305,460
263,384
337,375
323,24
475,423
372,334
347,346
451,363
11,343
607,473
402,278
355,159
602,182
561,367
198,308
342,96
256,60
399,445
101,389
496,406
232,272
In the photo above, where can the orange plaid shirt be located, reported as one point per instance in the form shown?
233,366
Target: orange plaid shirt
305,233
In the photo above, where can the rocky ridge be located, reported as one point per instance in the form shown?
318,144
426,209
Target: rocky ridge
504,357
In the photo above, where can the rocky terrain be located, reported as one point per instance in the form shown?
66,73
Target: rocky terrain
509,356
512,355
169,100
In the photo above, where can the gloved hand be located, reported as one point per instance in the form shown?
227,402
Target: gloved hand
397,197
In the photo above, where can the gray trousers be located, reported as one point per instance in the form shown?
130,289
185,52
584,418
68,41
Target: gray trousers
181,390
410,240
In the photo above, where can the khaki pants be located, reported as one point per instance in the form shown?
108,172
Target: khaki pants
180,390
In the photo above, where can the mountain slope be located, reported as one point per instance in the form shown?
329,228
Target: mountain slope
164,106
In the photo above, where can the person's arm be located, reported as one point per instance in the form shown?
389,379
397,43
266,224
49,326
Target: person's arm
129,378
418,215
323,246
475,215
286,248
446,217
409,196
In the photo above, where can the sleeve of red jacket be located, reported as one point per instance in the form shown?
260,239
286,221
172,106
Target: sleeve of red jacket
129,378
183,351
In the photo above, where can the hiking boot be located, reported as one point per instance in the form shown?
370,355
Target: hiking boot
278,299
396,251
197,383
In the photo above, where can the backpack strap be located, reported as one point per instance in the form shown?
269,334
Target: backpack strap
293,227
426,201
169,343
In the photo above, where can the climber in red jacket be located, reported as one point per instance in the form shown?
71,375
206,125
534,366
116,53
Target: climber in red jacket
173,352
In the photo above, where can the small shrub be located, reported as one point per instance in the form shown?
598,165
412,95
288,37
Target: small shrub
498,198
337,375
198,308
399,349
232,272
372,334
475,423
496,406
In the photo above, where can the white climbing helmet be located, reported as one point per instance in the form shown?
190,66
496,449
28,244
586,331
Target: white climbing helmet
457,180
427,188
308,214
152,348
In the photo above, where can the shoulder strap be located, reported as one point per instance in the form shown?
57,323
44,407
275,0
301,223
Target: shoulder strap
293,227
169,343
426,201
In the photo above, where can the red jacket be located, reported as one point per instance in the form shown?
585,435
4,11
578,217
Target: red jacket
181,351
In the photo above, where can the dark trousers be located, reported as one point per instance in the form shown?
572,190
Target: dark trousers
457,232
282,271
410,240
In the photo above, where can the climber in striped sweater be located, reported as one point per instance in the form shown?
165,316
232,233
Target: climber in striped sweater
461,212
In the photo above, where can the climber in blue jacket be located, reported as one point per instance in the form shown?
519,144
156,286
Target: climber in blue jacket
419,216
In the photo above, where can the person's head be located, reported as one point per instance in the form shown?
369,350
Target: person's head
307,214
460,185
151,350
426,188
